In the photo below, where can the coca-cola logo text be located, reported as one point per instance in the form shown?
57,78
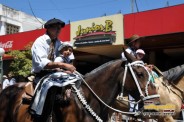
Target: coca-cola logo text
7,44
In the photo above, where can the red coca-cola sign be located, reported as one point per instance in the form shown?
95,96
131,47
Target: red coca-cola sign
6,45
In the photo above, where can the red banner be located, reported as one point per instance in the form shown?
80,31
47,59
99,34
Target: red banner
18,41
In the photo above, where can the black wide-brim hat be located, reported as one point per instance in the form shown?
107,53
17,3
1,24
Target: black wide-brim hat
133,39
53,22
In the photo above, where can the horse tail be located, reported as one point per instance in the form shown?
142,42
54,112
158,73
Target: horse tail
8,100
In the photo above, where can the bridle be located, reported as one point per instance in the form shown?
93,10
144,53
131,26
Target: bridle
143,98
88,108
141,64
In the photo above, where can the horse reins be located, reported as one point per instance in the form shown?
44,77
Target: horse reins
84,102
135,63
170,89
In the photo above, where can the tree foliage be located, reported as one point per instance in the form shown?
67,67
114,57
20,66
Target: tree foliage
22,61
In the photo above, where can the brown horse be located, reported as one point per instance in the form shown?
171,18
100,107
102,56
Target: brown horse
13,108
106,82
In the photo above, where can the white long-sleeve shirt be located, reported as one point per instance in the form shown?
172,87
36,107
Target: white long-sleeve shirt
5,83
12,81
128,50
40,52
63,59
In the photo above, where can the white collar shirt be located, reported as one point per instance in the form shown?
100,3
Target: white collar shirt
63,59
5,83
40,51
128,50
12,81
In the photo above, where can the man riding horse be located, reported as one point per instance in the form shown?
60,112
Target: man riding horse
44,50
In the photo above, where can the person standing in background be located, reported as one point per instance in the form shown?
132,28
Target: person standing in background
12,80
140,54
6,82
133,44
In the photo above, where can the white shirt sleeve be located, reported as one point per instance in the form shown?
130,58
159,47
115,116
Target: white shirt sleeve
58,59
72,57
12,81
6,83
123,55
39,55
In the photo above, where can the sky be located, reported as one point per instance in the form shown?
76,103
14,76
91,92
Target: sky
75,10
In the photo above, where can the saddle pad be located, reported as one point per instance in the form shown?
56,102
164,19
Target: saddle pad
58,79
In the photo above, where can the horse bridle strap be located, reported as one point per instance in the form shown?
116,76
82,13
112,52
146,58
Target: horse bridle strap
134,77
116,110
84,102
138,63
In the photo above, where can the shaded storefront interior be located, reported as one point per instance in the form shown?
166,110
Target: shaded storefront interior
163,34
165,51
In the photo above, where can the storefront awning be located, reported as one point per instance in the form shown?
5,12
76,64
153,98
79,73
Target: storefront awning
7,57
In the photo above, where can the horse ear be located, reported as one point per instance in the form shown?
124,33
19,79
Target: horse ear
130,58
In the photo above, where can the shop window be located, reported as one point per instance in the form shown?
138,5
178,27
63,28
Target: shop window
10,29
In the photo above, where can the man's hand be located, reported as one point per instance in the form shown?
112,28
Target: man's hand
56,65
69,67
149,67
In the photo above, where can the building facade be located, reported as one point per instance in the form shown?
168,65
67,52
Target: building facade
14,21
99,40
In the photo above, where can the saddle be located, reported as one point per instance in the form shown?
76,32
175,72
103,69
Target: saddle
57,79
29,92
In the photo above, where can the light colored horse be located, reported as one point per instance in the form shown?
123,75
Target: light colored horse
170,92
168,95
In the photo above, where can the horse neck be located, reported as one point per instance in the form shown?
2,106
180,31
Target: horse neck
11,99
105,84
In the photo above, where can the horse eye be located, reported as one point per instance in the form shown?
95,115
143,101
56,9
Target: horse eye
139,74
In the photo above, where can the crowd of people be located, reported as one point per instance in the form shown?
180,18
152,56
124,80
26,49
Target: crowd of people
8,80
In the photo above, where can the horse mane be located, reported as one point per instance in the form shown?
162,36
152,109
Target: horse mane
8,97
10,93
101,67
174,74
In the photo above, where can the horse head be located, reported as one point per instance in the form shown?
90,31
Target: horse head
141,87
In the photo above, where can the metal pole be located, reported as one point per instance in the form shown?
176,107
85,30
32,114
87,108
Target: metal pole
1,67
2,51
132,5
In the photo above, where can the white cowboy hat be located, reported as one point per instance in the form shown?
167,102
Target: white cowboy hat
31,78
140,51
65,44
4,76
